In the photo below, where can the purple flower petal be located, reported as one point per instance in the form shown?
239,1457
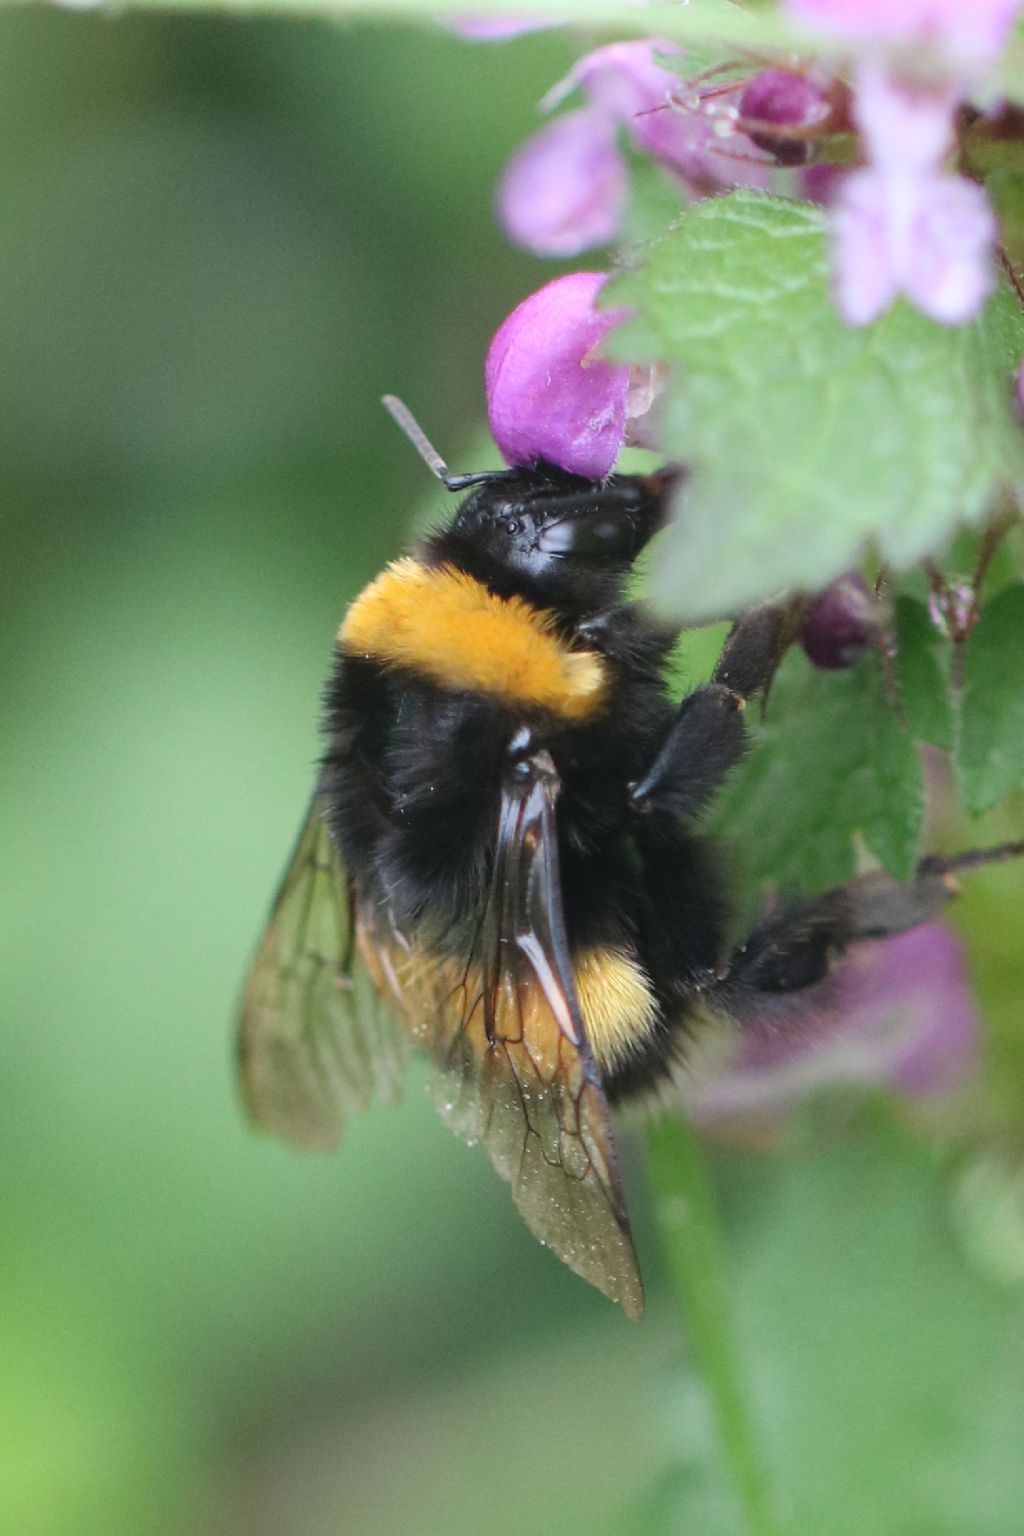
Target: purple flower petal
548,396
865,275
621,78
900,1015
952,271
486,29
821,183
565,190
902,225
686,138
904,129
971,31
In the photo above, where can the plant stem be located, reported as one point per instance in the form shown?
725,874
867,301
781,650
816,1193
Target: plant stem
688,1217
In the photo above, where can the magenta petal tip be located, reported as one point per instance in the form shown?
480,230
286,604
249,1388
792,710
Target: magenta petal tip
549,396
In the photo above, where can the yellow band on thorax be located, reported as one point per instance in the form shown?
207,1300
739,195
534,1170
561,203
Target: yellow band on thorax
447,625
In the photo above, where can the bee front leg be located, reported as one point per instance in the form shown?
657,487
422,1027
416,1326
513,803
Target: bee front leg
704,741
707,736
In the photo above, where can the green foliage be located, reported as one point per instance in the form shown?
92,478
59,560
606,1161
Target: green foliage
693,1245
808,438
990,754
923,660
887,1378
830,761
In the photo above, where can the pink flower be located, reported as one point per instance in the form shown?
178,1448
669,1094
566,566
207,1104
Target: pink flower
903,225
550,397
565,190
487,29
969,32
900,1015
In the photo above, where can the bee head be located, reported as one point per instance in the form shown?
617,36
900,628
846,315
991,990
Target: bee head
541,532
562,541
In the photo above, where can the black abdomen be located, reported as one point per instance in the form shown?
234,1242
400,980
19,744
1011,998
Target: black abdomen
413,775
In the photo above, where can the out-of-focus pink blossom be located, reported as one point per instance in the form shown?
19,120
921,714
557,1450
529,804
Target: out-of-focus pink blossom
928,236
565,190
626,88
968,32
1019,392
621,78
900,1015
549,395
903,225
487,29
953,609
903,127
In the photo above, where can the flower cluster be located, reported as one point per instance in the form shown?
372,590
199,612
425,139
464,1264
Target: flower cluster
905,223
566,190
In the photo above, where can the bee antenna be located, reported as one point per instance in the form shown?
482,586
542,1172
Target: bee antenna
406,421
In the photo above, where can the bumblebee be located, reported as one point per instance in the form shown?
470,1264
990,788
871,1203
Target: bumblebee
501,863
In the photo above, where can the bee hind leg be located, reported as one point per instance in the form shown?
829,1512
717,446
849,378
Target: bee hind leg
800,945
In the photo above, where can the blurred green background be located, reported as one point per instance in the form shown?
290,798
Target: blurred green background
220,242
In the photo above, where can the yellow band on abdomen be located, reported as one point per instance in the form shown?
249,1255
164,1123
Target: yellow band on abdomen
617,1002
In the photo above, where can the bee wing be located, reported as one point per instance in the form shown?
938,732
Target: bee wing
513,1068
314,1041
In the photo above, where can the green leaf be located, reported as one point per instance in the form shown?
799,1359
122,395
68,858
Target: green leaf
990,757
892,1374
830,760
923,660
808,438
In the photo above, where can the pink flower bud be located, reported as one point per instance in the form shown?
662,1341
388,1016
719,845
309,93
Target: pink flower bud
841,624
792,101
